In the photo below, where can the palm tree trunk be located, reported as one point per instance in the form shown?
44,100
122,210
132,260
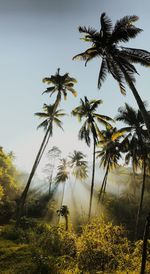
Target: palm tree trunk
93,175
22,200
62,200
66,221
140,103
63,194
103,187
141,200
50,184
107,170
58,99
145,238
43,149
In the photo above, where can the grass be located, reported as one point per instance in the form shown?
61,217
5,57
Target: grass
15,258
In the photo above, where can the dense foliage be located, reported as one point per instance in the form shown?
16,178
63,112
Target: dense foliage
10,184
100,248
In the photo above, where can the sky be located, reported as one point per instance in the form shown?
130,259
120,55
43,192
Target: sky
37,37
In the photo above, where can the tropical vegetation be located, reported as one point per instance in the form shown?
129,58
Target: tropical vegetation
91,215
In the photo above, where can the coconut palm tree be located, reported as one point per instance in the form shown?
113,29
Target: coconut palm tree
64,212
51,117
87,111
138,146
109,154
60,84
134,128
116,60
78,165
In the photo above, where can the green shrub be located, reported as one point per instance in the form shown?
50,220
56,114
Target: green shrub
26,223
57,242
102,247
7,211
10,232
44,264
137,256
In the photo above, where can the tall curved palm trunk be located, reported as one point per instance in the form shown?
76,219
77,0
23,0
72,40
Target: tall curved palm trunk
23,197
141,106
92,182
58,100
50,116
104,183
141,200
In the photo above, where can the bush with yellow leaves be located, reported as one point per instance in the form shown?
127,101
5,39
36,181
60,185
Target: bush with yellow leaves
103,247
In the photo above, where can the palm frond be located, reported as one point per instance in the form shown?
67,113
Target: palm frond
58,123
89,30
128,66
103,121
70,80
87,55
93,104
91,56
125,30
49,89
41,114
60,113
100,134
81,57
63,171
72,91
106,26
44,125
48,80
104,117
127,115
117,74
136,55
126,21
117,135
102,73
128,74
84,134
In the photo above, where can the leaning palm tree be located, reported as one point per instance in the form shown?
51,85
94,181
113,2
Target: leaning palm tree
51,117
138,146
116,60
87,110
109,153
78,165
60,84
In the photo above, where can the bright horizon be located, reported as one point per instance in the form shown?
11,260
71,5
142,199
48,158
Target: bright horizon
37,37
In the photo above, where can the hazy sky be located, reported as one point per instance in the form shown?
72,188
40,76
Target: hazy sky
37,37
